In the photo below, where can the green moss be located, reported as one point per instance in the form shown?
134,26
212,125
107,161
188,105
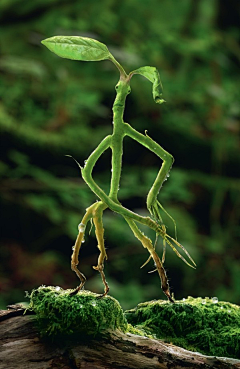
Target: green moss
204,325
138,331
196,324
59,314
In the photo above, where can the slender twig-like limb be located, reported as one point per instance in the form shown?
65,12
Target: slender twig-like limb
167,158
94,212
115,141
76,248
113,204
147,243
99,231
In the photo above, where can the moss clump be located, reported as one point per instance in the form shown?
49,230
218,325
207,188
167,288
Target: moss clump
84,314
138,331
204,325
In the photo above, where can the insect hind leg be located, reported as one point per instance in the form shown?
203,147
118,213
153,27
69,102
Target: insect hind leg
76,248
147,243
99,231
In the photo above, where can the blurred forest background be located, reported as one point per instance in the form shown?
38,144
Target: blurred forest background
50,107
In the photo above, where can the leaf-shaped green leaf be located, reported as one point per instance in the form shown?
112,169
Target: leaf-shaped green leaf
152,74
77,48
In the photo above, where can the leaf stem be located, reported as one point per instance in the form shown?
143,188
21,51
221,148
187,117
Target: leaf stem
123,74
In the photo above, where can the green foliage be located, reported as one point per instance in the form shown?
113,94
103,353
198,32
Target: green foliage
61,315
204,325
77,48
152,74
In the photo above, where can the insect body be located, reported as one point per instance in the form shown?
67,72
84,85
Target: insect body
82,48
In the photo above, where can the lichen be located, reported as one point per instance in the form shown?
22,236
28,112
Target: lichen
82,315
204,325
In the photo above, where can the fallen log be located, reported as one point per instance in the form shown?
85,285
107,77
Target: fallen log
22,348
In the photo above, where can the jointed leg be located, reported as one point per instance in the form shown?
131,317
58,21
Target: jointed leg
74,261
147,243
77,246
113,204
93,212
99,231
145,140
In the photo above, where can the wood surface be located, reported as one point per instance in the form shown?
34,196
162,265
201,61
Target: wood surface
21,348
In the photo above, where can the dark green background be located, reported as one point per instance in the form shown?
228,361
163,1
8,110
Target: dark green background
50,107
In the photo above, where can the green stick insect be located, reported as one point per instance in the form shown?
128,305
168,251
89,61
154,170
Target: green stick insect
87,49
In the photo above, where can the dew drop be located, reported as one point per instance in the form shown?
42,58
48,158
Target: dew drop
203,301
81,306
81,227
57,288
221,307
83,241
184,299
215,300
73,247
112,122
229,311
93,303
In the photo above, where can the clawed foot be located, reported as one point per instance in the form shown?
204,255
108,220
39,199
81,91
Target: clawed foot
104,294
79,288
99,268
170,299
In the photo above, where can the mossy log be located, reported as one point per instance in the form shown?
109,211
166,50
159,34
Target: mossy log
21,347
206,325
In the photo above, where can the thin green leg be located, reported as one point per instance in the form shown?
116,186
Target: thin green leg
167,158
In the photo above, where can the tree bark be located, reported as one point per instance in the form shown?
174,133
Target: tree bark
21,348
